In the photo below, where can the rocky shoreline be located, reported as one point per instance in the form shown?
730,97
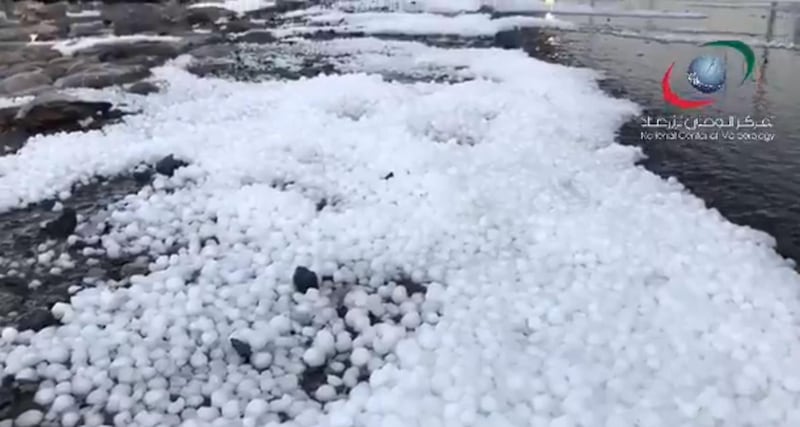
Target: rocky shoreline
51,48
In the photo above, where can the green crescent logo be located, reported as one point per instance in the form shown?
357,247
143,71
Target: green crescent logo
744,49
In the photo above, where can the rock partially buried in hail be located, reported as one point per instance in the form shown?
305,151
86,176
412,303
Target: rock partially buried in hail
304,279
168,165
62,226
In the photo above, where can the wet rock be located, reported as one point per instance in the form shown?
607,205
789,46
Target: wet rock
41,32
25,81
212,51
59,67
238,26
143,176
256,36
12,140
208,68
242,348
168,165
109,75
143,88
138,267
207,15
117,51
34,11
85,29
388,176
26,53
22,67
134,18
508,40
36,320
63,226
54,112
304,279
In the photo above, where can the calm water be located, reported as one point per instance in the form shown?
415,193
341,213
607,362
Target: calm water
756,184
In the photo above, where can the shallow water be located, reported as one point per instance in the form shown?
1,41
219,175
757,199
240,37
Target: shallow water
751,183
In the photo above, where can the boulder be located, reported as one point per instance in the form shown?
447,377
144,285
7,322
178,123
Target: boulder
143,88
40,32
256,36
85,29
134,18
207,15
59,67
19,83
21,67
110,52
55,112
97,78
212,51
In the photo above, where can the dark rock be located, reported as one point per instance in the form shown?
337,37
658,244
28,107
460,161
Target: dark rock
390,175
134,268
207,15
54,113
22,82
207,68
36,320
212,51
168,165
134,18
84,29
12,140
98,78
256,36
143,176
304,279
59,67
22,67
62,226
242,348
27,53
42,31
238,26
312,379
109,52
34,11
322,204
508,39
411,286
143,88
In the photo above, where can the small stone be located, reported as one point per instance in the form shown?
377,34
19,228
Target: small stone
168,165
242,348
256,36
143,88
388,176
29,418
62,226
36,320
134,268
304,279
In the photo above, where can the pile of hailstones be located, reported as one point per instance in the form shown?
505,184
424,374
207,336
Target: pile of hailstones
331,337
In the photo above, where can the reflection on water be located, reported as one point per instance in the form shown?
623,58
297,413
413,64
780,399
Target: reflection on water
755,184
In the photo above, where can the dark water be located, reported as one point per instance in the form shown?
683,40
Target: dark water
751,183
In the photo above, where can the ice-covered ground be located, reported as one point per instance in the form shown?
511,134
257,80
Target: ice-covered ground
238,6
513,6
563,286
467,25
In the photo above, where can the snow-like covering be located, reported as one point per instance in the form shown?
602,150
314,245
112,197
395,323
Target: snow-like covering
513,6
14,102
565,286
85,14
466,25
70,46
238,6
